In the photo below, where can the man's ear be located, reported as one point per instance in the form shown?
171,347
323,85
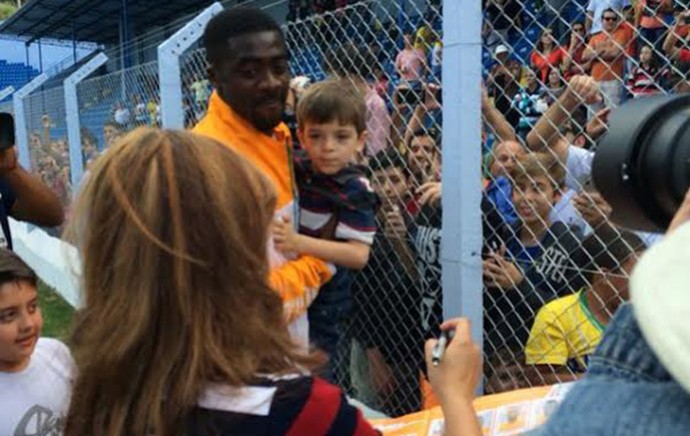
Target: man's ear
362,140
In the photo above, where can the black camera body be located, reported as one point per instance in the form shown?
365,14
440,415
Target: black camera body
642,165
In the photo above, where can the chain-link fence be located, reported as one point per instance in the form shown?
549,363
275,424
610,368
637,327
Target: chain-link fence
555,267
7,107
115,103
48,147
391,52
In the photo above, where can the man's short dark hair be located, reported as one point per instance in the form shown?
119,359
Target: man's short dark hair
386,159
231,23
13,269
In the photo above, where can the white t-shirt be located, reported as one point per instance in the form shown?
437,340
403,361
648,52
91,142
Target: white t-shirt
35,400
122,116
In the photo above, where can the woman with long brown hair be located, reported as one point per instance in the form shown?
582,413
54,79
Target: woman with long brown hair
180,332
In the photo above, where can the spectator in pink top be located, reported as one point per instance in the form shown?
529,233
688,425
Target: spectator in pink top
356,64
411,62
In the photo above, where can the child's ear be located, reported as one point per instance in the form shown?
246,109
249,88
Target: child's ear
362,140
300,136
557,195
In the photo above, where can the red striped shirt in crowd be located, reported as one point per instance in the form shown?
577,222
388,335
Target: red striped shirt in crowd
646,81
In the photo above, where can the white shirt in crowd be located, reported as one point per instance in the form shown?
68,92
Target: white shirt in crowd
122,116
35,400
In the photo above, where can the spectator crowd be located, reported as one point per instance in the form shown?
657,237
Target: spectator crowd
555,269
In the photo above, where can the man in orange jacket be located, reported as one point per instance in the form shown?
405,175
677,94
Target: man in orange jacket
248,67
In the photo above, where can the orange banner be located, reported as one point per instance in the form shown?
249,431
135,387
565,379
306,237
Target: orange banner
509,413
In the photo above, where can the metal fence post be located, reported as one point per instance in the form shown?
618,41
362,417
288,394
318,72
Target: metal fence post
462,225
169,74
6,92
76,157
21,131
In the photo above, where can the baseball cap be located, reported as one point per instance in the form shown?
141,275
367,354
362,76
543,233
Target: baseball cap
6,130
661,302
501,49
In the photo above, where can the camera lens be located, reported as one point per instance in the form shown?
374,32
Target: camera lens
642,165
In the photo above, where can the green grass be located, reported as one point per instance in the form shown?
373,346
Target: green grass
57,313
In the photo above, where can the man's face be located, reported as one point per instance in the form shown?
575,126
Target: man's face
422,154
254,78
609,20
505,156
20,324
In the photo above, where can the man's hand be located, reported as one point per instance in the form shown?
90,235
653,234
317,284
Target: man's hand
285,238
583,89
593,208
458,372
430,97
8,160
380,374
394,223
430,193
500,272
598,125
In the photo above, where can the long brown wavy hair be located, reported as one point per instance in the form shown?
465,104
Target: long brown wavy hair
172,230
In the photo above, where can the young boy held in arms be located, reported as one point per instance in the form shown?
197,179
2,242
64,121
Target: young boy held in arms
337,205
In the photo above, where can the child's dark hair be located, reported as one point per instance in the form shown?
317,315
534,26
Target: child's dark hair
13,269
386,159
231,23
609,247
332,100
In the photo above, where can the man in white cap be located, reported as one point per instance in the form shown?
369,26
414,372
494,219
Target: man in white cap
638,382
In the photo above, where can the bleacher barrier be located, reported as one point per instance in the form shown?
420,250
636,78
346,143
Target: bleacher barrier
553,266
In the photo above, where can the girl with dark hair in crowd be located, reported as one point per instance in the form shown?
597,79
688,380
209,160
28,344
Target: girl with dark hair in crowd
546,54
554,86
180,332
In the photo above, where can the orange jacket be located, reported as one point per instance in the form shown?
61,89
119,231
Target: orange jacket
297,281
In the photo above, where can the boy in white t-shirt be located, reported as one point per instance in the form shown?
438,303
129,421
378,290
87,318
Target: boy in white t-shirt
35,373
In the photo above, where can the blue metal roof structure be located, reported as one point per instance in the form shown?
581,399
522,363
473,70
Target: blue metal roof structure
100,21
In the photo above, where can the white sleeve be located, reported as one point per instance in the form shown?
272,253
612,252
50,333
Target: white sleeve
578,167
57,356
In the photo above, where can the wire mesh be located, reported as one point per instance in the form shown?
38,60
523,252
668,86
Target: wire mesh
555,267
7,107
391,52
49,151
115,103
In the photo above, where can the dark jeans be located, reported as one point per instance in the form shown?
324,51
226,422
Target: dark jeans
327,322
